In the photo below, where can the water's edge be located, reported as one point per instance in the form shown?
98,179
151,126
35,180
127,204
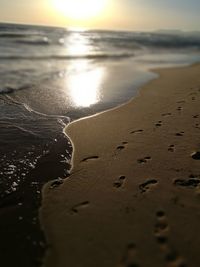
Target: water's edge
156,71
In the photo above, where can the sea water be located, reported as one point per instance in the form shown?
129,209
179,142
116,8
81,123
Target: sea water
50,76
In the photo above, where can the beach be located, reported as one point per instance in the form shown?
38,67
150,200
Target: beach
51,77
132,196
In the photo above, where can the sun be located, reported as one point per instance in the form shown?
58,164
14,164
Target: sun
80,9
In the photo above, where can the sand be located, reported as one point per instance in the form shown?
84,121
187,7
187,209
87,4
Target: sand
133,195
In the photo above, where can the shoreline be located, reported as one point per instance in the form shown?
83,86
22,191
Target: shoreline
97,196
156,71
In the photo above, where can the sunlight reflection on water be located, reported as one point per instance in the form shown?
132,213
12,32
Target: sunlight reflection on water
78,44
84,79
84,84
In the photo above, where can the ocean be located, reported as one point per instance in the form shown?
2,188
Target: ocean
50,76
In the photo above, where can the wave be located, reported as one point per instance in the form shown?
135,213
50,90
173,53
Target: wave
56,57
26,38
169,41
151,40
43,41
63,120
124,40
12,35
7,90
15,35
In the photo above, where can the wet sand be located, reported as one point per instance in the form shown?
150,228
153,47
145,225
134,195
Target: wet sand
133,195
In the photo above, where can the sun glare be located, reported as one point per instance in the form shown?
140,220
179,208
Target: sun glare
85,84
80,9
84,79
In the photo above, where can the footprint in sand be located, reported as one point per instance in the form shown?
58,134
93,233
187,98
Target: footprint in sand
180,102
144,187
125,143
179,108
171,148
128,259
192,182
136,131
166,114
196,155
121,147
161,226
197,126
179,134
192,94
144,160
158,124
195,116
161,233
75,208
119,182
89,158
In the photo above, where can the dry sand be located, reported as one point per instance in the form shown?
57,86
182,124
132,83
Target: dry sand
133,195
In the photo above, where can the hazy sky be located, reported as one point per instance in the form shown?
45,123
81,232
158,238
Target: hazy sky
112,14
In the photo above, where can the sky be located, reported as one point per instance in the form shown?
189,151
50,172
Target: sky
105,14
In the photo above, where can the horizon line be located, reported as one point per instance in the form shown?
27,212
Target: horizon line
76,28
